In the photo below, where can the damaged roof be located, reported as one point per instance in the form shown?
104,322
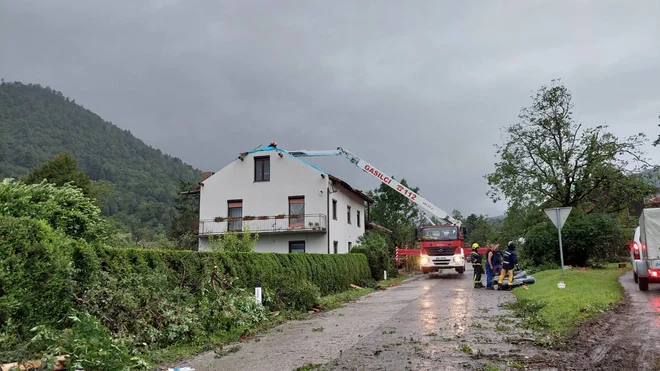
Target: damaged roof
356,192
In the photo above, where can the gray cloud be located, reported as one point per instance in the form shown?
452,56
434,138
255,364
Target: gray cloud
419,89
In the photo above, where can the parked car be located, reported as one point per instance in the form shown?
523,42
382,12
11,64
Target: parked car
634,252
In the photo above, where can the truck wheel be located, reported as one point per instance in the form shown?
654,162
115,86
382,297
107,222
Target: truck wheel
425,271
635,277
460,270
643,283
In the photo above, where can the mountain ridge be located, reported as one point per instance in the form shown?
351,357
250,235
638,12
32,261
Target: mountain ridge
37,123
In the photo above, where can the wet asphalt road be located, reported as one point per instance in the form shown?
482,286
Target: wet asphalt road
429,322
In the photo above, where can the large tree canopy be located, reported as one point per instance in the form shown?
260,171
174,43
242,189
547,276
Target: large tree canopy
59,171
396,212
480,230
549,159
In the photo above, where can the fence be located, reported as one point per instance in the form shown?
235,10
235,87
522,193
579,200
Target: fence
308,223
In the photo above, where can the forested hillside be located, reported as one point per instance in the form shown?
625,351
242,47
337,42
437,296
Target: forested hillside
37,124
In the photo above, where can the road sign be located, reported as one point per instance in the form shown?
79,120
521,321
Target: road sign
563,215
558,215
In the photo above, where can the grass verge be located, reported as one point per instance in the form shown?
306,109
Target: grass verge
546,308
180,352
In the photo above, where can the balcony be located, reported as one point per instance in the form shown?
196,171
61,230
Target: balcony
280,224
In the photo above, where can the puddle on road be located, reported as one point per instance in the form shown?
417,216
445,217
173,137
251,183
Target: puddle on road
458,311
429,317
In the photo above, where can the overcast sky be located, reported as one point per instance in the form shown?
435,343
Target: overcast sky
418,88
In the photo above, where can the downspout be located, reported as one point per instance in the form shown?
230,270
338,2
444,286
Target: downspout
327,213
199,221
199,212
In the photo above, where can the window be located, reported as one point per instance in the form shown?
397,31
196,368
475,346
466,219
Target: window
262,169
335,244
348,214
297,207
235,210
334,209
350,246
296,246
357,217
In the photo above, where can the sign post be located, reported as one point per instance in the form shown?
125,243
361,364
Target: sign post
558,215
257,292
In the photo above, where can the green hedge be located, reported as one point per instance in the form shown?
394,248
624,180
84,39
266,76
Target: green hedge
151,296
331,273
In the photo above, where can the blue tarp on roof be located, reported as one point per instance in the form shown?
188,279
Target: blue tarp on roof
268,149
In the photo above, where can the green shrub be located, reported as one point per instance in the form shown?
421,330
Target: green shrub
223,308
296,294
145,308
150,297
587,239
233,242
36,277
374,247
65,208
87,343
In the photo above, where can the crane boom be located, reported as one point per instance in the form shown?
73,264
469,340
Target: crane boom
388,180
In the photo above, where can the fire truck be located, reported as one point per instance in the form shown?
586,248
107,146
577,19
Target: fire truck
441,246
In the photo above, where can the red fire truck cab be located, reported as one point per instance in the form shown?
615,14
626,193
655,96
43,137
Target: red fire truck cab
442,248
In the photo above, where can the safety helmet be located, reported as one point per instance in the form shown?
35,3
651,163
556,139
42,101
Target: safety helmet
511,245
475,245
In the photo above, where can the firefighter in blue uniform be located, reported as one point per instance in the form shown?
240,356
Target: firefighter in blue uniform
509,261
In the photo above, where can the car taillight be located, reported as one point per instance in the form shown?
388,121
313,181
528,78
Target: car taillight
636,250
653,273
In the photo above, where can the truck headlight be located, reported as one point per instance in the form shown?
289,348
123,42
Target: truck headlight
458,259
425,260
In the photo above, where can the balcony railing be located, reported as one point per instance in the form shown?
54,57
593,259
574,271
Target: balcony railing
308,223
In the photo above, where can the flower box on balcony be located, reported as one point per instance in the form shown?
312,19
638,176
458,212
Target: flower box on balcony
218,219
281,216
248,217
263,217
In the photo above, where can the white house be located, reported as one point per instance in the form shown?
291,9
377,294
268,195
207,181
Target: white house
293,205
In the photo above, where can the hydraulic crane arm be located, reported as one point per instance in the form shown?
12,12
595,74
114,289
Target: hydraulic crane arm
388,180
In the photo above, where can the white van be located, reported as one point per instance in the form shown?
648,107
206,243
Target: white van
647,268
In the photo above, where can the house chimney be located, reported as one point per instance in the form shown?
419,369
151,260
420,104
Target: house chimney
206,175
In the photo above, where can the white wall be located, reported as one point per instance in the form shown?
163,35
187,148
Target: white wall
315,243
288,177
340,230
